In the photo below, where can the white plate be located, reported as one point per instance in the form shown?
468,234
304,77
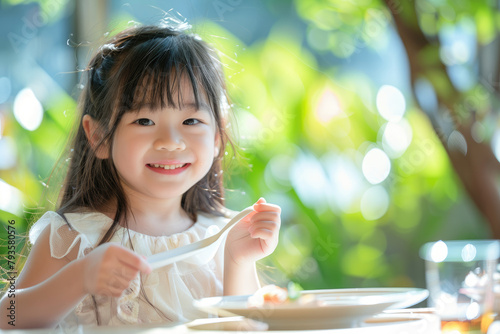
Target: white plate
341,308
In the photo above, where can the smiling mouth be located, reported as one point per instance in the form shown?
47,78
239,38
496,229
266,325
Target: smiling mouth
167,166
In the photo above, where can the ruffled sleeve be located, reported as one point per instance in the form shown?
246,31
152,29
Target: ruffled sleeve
84,230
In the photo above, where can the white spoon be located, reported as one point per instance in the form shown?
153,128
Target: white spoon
209,244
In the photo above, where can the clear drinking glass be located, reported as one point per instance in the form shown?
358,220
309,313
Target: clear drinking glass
459,276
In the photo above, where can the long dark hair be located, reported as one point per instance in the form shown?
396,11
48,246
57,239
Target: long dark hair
142,65
154,58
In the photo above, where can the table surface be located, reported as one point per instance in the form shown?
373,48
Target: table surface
407,321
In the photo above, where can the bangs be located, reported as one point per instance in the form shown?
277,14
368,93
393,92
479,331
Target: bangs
153,71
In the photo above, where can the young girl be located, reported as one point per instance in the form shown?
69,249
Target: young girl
144,177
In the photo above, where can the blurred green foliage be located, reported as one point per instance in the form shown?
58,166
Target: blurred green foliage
296,150
50,10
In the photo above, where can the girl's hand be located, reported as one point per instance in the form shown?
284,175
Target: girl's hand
256,235
109,269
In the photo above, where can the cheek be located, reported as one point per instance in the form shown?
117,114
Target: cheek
204,150
207,143
125,149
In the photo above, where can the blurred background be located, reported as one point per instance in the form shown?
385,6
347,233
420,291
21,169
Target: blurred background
373,124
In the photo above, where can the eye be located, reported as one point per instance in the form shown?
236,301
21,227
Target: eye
191,121
144,122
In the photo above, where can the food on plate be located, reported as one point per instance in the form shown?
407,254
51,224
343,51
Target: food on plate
272,294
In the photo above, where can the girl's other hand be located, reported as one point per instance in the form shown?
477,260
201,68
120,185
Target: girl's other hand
109,269
256,235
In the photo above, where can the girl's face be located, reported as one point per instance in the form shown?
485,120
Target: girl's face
162,153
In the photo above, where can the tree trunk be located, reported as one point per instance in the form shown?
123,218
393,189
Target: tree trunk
474,162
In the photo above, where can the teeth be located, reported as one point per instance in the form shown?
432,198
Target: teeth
168,166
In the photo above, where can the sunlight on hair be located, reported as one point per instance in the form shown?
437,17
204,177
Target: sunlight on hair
10,198
173,20
376,166
28,110
391,103
396,137
374,202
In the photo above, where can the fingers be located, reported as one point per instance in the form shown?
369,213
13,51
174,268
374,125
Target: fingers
117,281
126,272
110,268
260,201
266,216
264,229
266,221
111,283
117,254
261,205
134,261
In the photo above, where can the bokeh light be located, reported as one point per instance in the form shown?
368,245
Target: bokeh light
457,142
5,89
324,124
473,310
10,198
396,137
8,152
391,103
469,252
328,106
458,42
495,144
426,95
309,181
346,182
250,131
374,202
277,172
28,110
376,166
439,251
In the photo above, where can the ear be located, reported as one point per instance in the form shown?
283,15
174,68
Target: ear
90,126
217,144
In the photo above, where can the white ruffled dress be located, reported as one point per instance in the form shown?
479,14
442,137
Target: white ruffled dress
171,289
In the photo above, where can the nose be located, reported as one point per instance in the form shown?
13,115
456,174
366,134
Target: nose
169,140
